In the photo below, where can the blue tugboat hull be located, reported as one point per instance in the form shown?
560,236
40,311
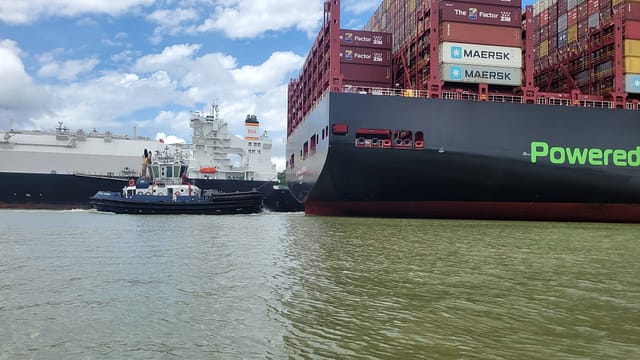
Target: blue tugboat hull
219,204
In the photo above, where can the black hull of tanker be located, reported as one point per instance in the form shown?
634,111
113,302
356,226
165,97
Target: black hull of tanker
220,204
57,191
476,160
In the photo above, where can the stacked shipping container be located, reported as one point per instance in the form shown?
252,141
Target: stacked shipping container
578,37
488,60
397,18
365,58
337,59
584,53
473,33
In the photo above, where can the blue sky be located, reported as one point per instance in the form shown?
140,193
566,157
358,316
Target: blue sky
116,64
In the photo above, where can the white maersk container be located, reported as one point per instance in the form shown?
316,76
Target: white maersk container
509,76
484,55
632,83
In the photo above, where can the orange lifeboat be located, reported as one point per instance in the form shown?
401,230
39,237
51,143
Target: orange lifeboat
208,170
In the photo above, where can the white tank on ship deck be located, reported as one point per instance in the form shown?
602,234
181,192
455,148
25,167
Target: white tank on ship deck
66,152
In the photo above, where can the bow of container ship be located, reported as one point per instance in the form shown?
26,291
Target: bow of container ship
467,126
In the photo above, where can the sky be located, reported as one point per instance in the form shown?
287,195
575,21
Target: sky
142,66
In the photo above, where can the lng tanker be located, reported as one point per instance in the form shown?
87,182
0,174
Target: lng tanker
64,168
456,147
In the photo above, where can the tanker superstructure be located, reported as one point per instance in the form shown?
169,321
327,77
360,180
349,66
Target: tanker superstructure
461,129
64,168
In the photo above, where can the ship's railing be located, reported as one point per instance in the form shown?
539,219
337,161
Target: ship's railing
633,106
466,95
449,95
506,98
559,102
597,104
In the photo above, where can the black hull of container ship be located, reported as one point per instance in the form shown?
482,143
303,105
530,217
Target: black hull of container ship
476,162
57,191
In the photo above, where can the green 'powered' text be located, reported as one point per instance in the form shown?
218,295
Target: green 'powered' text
584,156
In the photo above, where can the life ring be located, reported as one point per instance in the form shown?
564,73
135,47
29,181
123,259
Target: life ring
178,193
132,182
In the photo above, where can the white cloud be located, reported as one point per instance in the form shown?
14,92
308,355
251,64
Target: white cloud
360,6
251,18
18,93
86,22
28,11
67,70
172,122
272,71
11,46
170,21
100,102
171,57
177,78
169,139
124,57
169,18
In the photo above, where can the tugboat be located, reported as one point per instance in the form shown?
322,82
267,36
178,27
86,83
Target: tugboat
166,190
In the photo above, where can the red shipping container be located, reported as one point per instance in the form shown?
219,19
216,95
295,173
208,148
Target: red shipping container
631,11
553,12
544,17
572,16
367,56
366,39
370,73
480,14
594,6
632,30
562,7
481,34
507,3
583,10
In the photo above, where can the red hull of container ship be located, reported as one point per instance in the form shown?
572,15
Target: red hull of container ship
623,213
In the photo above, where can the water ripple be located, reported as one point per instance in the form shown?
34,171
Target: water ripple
79,285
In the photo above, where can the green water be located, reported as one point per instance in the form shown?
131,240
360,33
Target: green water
84,285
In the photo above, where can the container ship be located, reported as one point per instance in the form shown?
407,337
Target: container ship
62,169
473,110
